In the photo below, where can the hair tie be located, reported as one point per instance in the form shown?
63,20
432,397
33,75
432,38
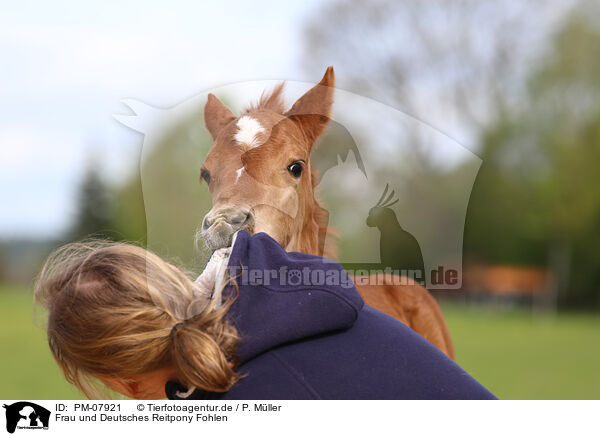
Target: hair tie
176,327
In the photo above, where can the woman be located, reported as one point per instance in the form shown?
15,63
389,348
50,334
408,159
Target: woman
287,326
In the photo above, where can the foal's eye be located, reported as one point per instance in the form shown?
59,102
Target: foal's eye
295,169
205,175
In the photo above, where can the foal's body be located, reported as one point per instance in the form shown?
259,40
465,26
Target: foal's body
260,178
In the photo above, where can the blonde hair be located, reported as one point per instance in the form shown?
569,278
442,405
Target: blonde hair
112,309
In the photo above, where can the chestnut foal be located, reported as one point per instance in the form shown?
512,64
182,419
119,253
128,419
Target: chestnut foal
259,175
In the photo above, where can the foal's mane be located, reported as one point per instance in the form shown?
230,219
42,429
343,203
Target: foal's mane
326,236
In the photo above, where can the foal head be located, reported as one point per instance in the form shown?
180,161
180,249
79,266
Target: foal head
258,170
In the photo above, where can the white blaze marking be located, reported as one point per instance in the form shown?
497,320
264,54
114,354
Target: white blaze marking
238,174
249,128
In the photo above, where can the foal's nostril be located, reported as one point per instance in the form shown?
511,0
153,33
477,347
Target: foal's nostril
206,223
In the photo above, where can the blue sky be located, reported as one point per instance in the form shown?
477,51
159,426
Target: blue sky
66,66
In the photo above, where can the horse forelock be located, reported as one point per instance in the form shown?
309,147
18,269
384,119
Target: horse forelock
271,101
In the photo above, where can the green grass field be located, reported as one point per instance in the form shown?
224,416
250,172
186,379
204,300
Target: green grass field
513,354
27,369
520,356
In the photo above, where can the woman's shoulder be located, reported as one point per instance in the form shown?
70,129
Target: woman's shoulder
377,358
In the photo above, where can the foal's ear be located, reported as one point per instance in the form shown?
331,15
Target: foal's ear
216,115
313,109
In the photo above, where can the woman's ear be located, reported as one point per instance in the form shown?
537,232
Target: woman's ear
147,386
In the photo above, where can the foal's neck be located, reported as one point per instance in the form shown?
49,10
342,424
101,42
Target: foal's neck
313,228
306,239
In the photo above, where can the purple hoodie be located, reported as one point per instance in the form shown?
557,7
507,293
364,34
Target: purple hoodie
305,333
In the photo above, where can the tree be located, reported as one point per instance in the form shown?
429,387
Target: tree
457,64
94,214
3,265
537,198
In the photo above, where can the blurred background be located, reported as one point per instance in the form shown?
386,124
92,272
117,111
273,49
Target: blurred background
499,133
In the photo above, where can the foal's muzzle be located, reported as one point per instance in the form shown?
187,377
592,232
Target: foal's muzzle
219,225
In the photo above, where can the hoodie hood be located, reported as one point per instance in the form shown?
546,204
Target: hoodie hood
279,297
284,297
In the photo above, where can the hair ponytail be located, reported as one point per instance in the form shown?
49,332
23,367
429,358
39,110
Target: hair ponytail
200,360
203,348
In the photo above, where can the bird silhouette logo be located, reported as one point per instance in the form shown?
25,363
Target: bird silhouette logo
398,249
